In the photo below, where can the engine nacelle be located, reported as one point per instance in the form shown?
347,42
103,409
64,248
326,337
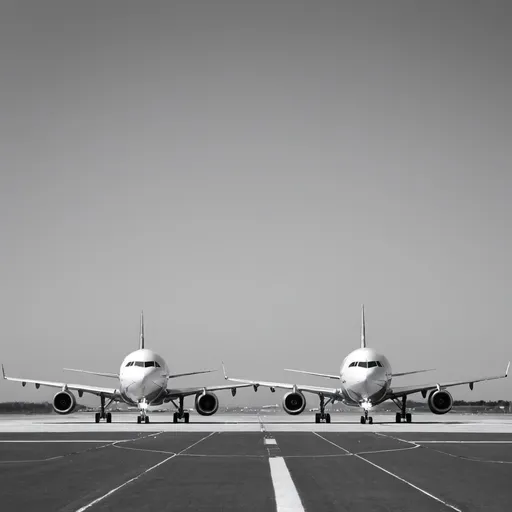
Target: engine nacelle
207,403
294,403
440,401
64,402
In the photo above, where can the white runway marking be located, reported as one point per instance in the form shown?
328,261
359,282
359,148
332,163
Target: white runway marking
462,442
393,475
287,497
101,498
269,441
97,441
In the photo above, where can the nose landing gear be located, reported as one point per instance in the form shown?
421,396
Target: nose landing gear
143,416
366,418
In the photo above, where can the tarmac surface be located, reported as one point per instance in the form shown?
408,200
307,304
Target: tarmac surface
261,463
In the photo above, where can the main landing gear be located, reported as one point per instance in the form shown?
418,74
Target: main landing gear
180,414
366,418
102,415
403,415
322,416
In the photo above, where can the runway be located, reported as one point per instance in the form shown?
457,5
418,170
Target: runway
463,463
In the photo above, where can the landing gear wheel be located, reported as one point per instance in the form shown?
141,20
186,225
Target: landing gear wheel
317,417
370,420
97,417
408,417
398,418
363,420
327,418
175,417
109,417
146,420
187,417
139,419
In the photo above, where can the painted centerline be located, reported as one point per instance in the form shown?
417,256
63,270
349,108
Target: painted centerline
287,497
269,440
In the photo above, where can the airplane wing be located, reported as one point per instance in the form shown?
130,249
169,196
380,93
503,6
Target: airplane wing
411,373
175,375
396,392
328,392
81,388
177,392
101,374
326,375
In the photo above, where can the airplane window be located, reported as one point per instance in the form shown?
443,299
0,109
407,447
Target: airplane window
372,364
157,365
138,363
353,363
129,364
363,364
378,364
149,363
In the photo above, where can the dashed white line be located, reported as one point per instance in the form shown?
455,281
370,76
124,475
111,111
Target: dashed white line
393,475
287,497
101,498
269,440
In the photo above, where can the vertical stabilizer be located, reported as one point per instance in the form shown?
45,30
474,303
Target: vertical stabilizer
363,328
141,343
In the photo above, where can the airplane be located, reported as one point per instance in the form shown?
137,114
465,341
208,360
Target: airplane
142,382
365,381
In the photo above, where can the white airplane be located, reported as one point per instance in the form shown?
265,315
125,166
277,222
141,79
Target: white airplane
365,381
143,378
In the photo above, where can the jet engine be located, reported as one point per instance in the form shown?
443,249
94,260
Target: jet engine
64,402
294,402
440,401
207,403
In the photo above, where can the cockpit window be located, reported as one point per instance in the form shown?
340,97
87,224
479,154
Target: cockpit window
139,363
129,364
372,364
157,365
353,363
363,364
149,363
379,364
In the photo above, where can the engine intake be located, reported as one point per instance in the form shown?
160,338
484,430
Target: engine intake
440,402
207,403
64,402
294,403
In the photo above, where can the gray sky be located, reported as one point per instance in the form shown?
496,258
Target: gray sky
249,173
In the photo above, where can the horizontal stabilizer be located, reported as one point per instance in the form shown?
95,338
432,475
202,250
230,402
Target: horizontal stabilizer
410,373
175,375
101,374
325,375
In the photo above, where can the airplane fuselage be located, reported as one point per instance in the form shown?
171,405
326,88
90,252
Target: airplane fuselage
365,377
143,376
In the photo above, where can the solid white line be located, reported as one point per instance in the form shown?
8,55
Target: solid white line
410,484
462,442
101,498
393,475
287,497
98,441
269,441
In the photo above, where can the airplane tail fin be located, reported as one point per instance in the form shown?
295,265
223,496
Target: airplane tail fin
141,342
363,329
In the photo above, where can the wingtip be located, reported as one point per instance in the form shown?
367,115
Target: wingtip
508,367
3,372
224,370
